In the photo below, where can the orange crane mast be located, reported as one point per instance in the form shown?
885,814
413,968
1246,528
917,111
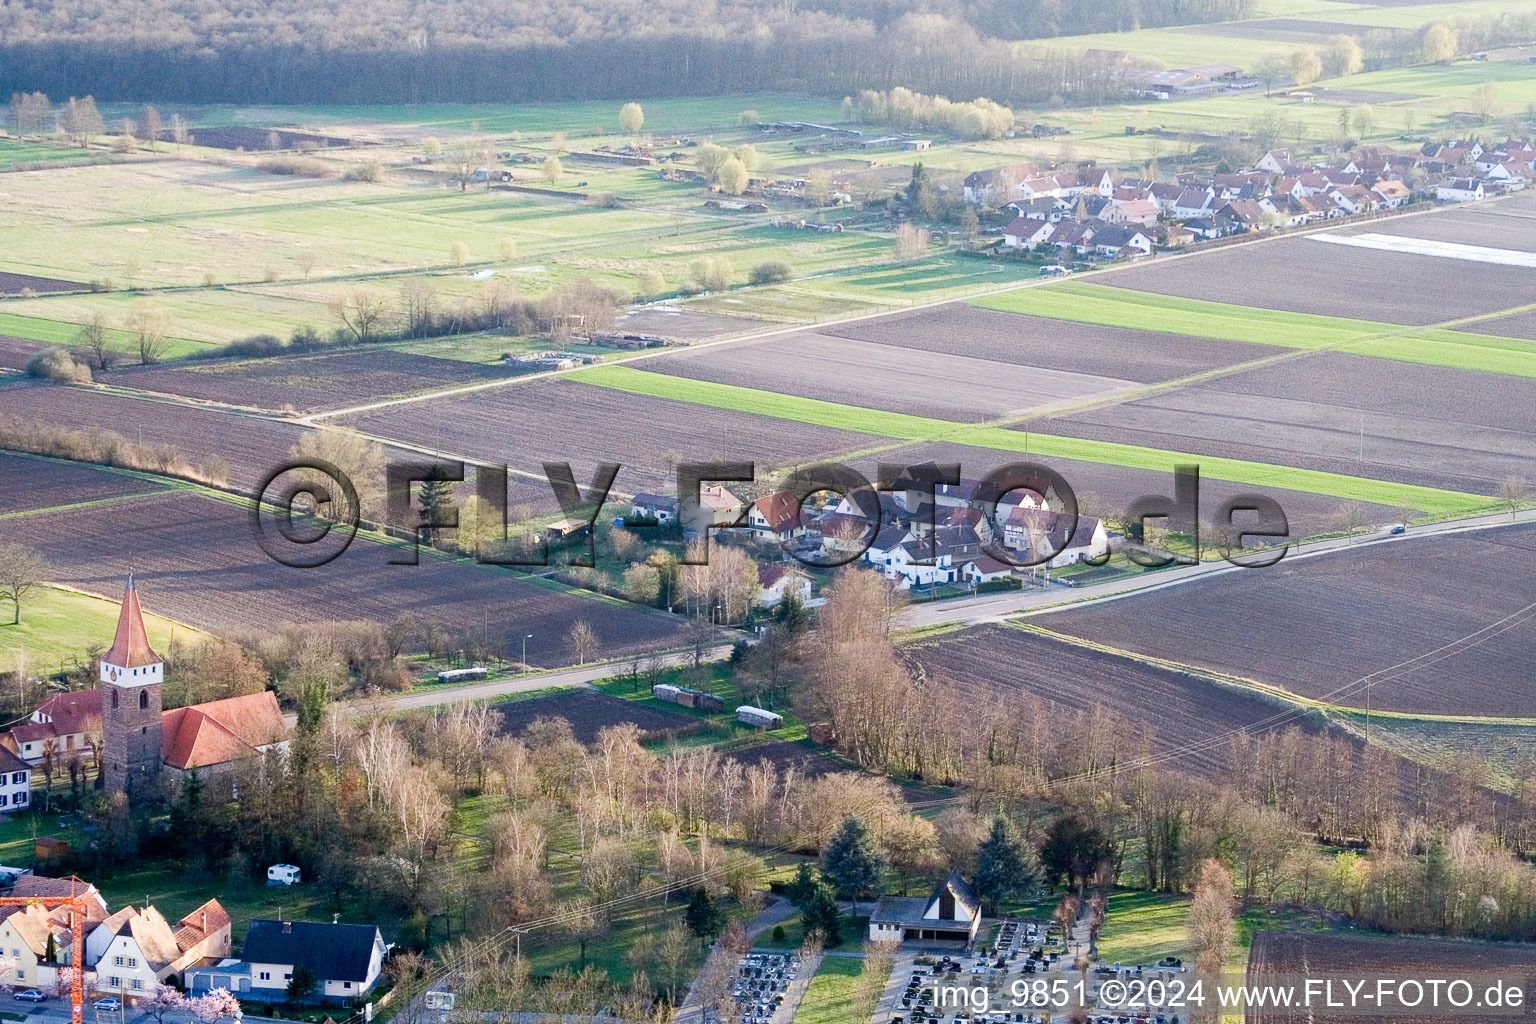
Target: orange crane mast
77,902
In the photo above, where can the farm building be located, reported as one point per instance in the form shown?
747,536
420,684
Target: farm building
951,914
758,717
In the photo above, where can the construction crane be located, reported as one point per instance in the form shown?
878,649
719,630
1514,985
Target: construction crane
77,901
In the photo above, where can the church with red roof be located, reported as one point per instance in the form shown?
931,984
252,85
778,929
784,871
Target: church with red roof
146,751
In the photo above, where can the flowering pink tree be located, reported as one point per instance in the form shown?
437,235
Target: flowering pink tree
214,1005
162,1001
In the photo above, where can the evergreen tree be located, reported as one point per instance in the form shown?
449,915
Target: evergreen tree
820,914
1075,849
703,916
1004,866
802,890
437,504
853,862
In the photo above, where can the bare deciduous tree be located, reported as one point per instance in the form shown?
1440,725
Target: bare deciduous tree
362,312
21,570
149,324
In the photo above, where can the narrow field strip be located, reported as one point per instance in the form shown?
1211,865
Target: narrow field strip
1106,306
1432,501
62,332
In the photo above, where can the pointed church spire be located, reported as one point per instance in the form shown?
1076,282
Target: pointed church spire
130,647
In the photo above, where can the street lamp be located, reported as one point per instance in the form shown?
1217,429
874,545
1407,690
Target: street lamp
525,652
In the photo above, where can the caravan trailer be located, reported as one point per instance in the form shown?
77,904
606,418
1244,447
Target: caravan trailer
758,717
461,675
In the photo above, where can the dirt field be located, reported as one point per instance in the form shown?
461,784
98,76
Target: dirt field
14,352
251,446
27,484
995,663
590,713
524,425
1520,325
306,383
1313,626
1102,488
1330,953
1058,345
1305,276
15,284
1454,429
197,562
862,373
1501,225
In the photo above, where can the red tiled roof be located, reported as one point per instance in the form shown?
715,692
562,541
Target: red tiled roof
780,510
73,711
220,731
130,647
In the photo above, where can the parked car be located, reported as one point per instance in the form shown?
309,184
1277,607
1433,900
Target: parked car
1053,270
31,995
109,1005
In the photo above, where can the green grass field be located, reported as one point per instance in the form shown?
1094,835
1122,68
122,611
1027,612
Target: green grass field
853,930
58,625
899,426
829,997
1143,928
1089,302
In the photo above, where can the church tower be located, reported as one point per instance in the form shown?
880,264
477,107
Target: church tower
131,677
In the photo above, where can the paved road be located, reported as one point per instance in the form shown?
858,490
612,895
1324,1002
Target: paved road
494,688
996,607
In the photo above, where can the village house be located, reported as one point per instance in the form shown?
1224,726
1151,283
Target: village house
952,914
1025,528
986,569
66,725
133,950
1116,241
15,782
777,517
779,581
719,506
653,507
345,959
35,939
1460,190
1026,233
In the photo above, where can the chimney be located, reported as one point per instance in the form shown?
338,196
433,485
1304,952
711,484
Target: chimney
335,918
205,922
287,927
